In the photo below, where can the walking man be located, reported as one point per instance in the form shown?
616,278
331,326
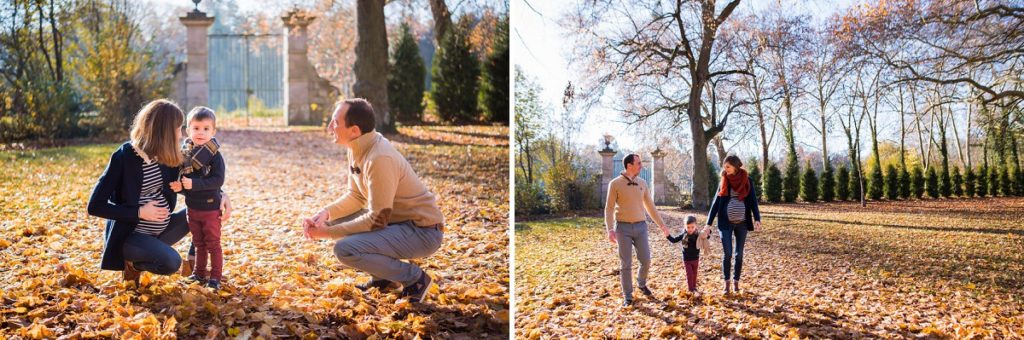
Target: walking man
628,198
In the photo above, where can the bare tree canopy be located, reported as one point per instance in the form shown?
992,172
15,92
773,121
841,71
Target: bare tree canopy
659,58
979,43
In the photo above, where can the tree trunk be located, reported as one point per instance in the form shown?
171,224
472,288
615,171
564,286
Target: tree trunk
855,155
700,195
920,134
854,149
903,131
720,149
763,129
943,145
1016,156
55,35
825,163
931,138
371,66
873,125
527,166
956,137
787,103
442,19
874,143
859,166
853,146
42,42
984,155
967,134
1000,141
699,76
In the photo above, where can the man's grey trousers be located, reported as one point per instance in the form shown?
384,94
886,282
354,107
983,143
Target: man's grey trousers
379,252
628,236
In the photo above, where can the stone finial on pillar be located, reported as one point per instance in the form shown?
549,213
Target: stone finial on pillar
658,177
197,73
606,167
299,74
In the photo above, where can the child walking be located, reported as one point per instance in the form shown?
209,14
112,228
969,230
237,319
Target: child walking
201,181
693,242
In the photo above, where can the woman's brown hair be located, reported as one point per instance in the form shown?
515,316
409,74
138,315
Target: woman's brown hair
732,160
154,131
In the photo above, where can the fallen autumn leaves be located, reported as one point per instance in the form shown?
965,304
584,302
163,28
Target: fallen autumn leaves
933,269
277,284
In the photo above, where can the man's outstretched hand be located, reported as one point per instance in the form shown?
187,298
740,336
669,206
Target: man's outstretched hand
313,227
311,230
320,219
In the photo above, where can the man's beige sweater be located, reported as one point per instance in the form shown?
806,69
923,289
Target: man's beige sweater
386,186
626,203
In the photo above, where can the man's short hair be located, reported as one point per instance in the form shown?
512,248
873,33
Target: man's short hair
360,113
629,159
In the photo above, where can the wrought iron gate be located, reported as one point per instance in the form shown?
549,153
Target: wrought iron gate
246,74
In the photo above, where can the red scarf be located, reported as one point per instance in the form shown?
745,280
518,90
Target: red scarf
738,182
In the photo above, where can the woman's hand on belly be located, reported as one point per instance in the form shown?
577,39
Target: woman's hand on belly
151,212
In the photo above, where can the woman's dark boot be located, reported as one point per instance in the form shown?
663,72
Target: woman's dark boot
130,273
736,286
187,266
727,287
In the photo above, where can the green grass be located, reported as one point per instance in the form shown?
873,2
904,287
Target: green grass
536,228
56,154
48,179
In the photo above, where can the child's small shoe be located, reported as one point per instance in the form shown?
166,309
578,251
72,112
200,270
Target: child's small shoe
214,284
196,279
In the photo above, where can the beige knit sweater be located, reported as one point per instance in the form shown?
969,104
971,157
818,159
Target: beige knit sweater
626,203
386,186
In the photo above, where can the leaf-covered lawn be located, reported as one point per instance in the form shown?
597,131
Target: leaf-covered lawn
940,268
276,283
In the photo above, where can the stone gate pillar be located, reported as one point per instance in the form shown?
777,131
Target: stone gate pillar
658,177
197,73
299,74
606,169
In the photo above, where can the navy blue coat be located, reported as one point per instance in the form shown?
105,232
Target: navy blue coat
116,198
720,204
